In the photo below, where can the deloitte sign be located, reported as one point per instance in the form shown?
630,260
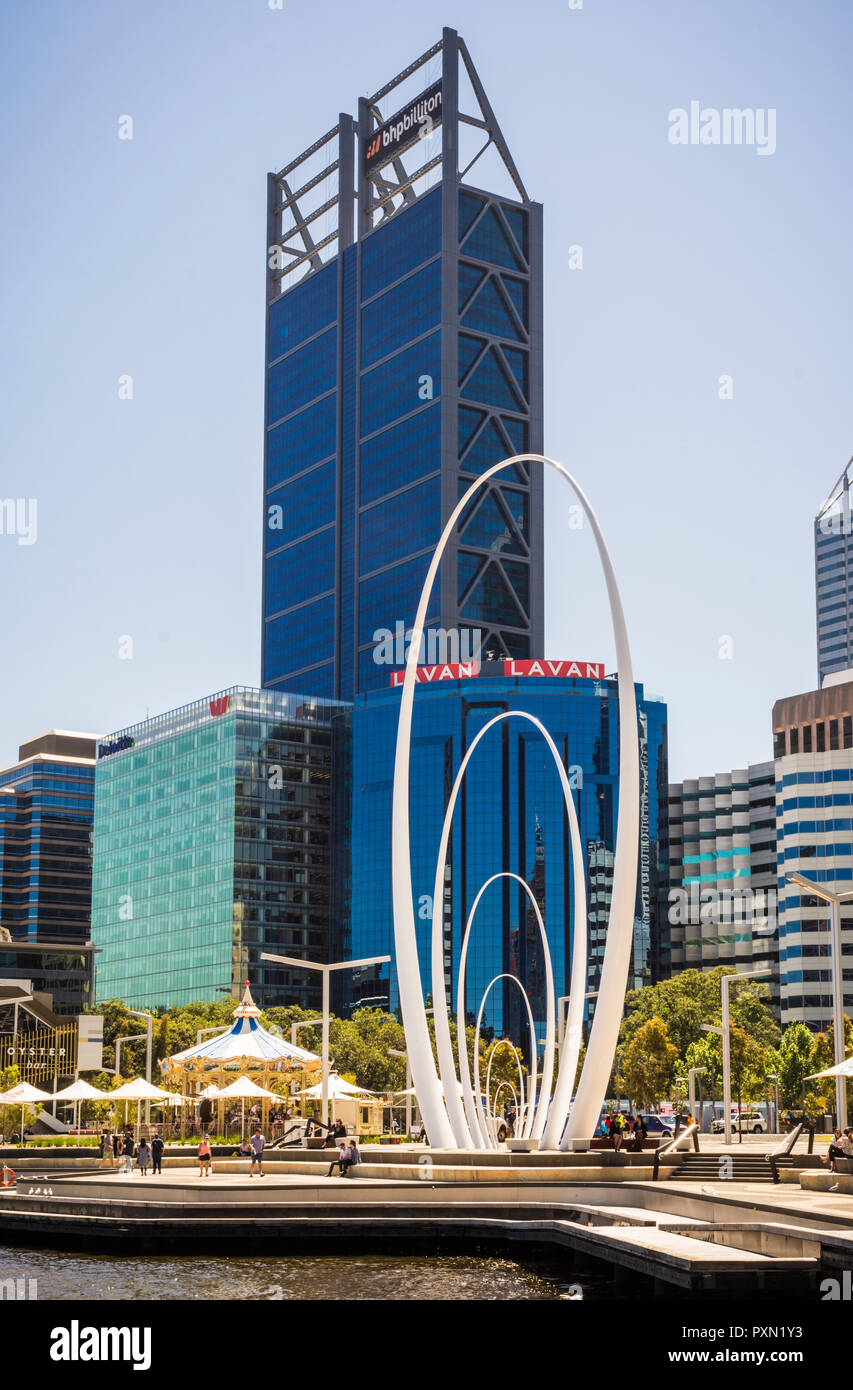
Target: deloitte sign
106,750
413,123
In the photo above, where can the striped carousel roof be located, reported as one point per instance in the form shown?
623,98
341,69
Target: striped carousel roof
246,1039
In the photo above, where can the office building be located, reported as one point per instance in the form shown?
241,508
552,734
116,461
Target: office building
46,804
221,831
722,859
834,580
510,817
404,357
813,747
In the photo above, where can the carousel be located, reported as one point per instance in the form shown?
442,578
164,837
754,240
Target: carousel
208,1072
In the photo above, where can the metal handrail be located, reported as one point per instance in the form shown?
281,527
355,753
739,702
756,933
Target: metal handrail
784,1148
673,1144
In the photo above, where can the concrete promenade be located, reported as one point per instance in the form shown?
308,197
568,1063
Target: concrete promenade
721,1238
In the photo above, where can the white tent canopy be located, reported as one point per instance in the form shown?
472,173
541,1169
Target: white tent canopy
81,1090
844,1068
140,1089
338,1089
246,1089
23,1094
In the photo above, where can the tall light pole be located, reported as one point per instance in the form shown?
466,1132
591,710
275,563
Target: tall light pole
725,982
395,1052
149,1050
326,969
835,900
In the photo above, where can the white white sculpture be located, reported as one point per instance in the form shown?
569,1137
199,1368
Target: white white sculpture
585,1111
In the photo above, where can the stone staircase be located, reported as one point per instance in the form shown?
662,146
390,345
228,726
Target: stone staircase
717,1167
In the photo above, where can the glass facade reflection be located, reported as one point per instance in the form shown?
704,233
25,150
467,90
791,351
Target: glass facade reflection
510,816
221,831
405,361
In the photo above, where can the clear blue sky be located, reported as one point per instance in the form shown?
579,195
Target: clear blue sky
145,257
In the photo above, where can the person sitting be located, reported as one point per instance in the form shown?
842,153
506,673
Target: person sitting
343,1160
835,1151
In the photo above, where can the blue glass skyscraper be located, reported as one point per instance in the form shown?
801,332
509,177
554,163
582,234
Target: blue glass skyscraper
510,817
404,356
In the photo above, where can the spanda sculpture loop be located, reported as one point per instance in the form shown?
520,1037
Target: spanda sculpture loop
555,1120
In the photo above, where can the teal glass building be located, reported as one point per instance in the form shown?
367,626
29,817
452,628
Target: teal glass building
220,832
510,817
404,357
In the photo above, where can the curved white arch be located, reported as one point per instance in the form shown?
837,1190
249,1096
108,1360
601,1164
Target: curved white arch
478,1093
611,994
487,1105
500,1087
463,1133
472,1108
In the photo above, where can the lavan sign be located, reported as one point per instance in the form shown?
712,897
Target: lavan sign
415,122
467,670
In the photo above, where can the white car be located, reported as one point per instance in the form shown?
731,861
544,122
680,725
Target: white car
749,1120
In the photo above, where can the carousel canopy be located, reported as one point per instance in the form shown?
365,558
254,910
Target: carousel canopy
246,1039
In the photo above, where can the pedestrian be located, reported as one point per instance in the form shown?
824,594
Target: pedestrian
157,1155
256,1144
128,1149
343,1158
641,1130
143,1157
355,1155
204,1158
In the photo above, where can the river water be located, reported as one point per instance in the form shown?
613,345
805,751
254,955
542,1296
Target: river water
67,1275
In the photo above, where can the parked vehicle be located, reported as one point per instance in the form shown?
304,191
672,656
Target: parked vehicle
658,1125
748,1120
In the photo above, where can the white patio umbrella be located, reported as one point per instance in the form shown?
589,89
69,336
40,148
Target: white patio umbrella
138,1090
23,1094
338,1089
240,1089
77,1091
844,1068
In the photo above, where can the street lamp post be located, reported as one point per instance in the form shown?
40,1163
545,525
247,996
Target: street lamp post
726,981
395,1052
326,970
137,1013
835,900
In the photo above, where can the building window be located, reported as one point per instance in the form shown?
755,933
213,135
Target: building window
779,744
794,741
821,737
807,739
848,731
833,734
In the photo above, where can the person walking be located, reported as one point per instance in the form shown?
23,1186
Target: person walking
256,1143
157,1155
143,1157
204,1156
641,1130
128,1149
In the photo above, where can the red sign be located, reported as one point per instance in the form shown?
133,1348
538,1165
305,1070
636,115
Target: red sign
220,705
585,670
457,671
465,670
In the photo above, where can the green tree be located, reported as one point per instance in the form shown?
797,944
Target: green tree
648,1064
692,998
792,1062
